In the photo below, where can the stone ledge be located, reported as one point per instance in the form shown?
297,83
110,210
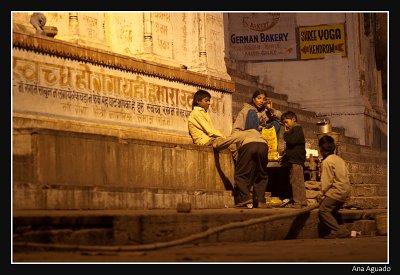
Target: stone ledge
141,227
96,56
70,197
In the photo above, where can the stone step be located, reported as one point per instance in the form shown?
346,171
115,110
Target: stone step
368,179
362,150
368,190
363,158
357,190
152,226
367,168
69,197
371,202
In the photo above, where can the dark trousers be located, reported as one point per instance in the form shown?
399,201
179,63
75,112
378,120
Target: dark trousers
329,213
296,178
251,173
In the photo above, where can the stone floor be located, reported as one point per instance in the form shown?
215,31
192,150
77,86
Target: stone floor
357,250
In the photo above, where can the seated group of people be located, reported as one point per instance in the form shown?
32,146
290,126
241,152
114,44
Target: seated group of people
251,157
249,148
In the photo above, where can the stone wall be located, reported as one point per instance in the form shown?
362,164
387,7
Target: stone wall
93,129
96,169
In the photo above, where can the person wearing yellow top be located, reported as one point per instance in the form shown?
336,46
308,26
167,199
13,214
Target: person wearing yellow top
200,125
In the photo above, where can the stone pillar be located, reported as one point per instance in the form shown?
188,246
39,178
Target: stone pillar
202,41
73,25
147,33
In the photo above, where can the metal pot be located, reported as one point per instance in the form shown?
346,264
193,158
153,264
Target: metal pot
324,126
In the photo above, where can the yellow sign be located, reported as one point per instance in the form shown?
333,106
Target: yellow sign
319,41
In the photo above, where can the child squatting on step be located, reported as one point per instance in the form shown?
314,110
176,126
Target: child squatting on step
335,189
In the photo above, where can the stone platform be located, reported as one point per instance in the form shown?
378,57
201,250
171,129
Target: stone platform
134,227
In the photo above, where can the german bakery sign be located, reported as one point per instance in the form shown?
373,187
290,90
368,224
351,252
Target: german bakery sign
262,36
